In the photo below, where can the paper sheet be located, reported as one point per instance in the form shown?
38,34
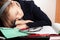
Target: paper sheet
46,30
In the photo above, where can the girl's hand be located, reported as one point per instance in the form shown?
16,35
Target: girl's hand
20,22
21,26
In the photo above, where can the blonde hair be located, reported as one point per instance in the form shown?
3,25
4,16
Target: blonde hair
4,17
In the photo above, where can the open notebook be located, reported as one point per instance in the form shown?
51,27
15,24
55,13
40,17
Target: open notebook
44,30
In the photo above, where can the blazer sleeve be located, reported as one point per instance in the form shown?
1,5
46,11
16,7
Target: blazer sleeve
40,18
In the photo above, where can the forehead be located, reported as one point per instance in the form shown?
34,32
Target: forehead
12,5
16,4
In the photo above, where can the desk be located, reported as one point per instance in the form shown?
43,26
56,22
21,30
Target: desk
35,37
32,38
47,30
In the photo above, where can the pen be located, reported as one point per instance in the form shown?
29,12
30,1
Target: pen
34,30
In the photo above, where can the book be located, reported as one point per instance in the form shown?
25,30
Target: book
12,32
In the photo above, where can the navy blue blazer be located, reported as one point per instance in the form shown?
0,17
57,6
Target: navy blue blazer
34,13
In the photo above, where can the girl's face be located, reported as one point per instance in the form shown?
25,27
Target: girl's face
15,12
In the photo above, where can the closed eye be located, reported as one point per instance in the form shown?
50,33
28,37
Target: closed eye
18,4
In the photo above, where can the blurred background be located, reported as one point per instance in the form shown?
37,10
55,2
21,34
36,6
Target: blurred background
51,8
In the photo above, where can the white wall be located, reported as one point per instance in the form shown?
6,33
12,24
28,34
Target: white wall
48,6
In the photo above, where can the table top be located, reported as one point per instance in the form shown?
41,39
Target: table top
35,36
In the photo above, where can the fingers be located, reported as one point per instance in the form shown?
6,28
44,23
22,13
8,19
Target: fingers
27,21
20,22
21,26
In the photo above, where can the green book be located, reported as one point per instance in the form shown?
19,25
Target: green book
13,32
59,32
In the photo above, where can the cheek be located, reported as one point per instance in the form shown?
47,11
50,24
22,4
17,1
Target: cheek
12,15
